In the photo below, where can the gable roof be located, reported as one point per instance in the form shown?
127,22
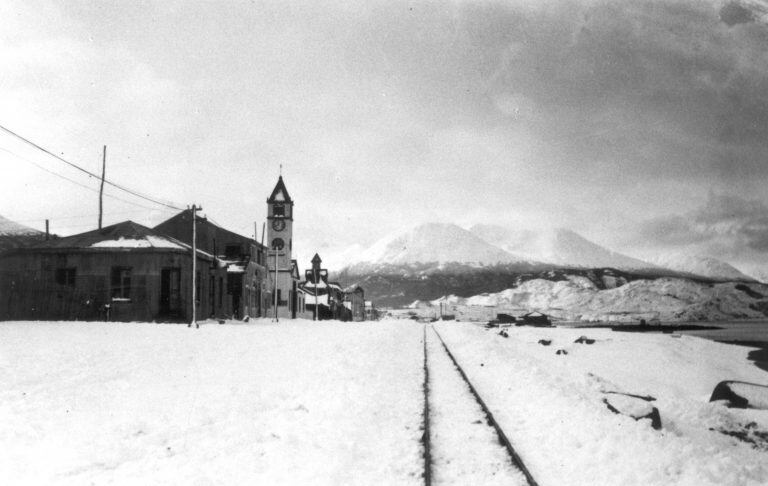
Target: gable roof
121,236
170,225
280,193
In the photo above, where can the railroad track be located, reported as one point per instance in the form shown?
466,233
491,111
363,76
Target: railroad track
462,442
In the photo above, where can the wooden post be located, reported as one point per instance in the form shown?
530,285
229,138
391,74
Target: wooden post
195,209
277,318
101,189
47,233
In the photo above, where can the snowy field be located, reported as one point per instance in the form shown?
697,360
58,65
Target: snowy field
294,403
551,405
341,403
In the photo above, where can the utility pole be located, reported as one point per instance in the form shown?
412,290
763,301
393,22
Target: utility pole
264,261
277,319
101,189
314,271
195,209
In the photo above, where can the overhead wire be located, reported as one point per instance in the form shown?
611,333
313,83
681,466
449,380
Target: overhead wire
85,171
76,182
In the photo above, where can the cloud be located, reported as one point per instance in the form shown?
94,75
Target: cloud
725,226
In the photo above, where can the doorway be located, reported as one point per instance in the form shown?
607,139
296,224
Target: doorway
170,292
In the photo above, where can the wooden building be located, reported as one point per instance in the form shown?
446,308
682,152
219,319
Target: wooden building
329,296
123,272
244,290
354,301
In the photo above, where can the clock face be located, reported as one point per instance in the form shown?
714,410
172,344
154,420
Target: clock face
278,244
278,224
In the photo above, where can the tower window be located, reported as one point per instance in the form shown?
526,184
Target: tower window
278,210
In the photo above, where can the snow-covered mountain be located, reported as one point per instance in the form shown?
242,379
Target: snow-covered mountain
14,235
435,243
667,299
558,246
8,227
701,265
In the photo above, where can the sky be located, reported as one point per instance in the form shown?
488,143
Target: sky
640,125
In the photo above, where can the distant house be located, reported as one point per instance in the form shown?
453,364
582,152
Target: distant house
354,301
535,318
371,312
123,272
329,296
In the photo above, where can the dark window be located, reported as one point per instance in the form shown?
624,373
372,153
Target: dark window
279,300
278,210
121,282
66,276
231,251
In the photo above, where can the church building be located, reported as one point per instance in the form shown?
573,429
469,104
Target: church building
282,268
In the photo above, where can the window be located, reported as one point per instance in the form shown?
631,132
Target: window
121,282
66,276
232,251
278,210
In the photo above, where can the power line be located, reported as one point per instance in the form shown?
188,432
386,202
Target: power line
80,216
91,174
77,183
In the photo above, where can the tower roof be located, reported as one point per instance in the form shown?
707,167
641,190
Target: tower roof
316,258
279,193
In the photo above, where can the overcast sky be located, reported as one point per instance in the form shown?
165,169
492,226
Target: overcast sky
641,125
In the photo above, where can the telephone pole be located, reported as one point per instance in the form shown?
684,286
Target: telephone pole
277,318
101,189
195,209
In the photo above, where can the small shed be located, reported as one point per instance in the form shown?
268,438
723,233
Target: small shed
534,318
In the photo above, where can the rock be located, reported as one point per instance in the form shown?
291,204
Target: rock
633,406
584,340
545,342
561,351
740,394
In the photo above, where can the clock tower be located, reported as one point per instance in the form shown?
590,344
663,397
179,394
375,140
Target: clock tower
280,225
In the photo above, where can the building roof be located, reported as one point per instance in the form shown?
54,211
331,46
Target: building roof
121,236
185,216
279,193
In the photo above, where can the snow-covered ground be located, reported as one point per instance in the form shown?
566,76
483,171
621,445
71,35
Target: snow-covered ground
465,449
551,405
294,403
341,403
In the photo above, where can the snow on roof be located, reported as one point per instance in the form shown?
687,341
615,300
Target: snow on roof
125,235
147,241
233,268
